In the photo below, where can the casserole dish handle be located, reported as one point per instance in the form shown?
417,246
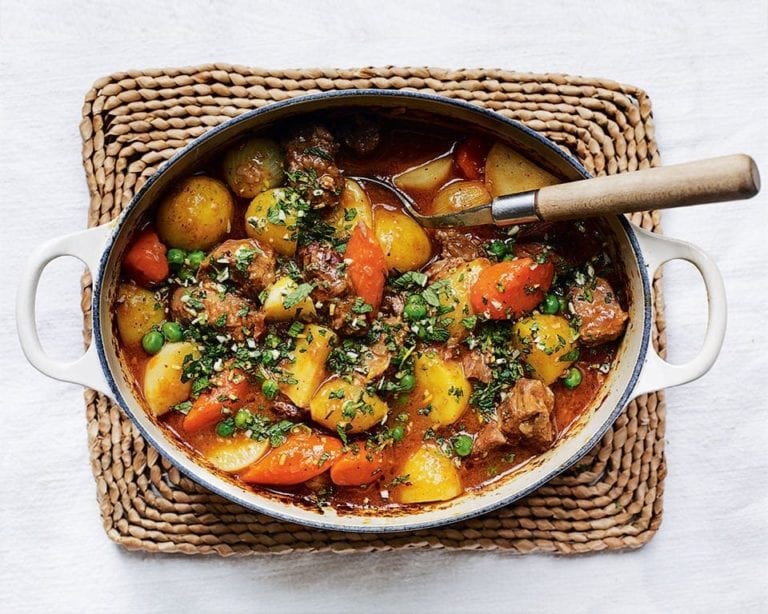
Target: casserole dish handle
87,246
657,373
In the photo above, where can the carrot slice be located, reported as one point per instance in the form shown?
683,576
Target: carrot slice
509,289
367,267
232,393
470,157
357,468
304,455
145,260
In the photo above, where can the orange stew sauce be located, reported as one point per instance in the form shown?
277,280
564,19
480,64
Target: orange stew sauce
580,258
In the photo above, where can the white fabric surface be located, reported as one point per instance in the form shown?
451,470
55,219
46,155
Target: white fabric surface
704,65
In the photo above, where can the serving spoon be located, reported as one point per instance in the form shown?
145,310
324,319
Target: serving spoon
713,180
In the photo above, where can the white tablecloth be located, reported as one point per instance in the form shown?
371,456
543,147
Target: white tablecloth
704,65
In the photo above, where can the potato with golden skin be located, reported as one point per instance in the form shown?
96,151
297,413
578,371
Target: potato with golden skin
405,245
429,475
442,384
271,218
547,343
275,308
509,172
354,207
162,385
197,214
138,311
460,195
428,176
307,371
340,403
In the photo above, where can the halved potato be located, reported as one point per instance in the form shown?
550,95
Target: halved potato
271,217
460,195
339,402
275,302
508,172
308,369
429,176
547,343
232,454
405,245
429,475
162,384
354,207
460,281
137,311
441,384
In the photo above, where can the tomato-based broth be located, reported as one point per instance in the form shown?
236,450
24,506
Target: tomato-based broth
298,331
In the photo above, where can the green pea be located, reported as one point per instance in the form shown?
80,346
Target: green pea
407,382
196,258
225,428
397,432
572,379
551,304
462,444
172,331
175,257
270,388
497,248
415,307
242,418
152,342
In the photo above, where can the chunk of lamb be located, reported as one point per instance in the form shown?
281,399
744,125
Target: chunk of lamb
600,315
310,159
526,414
489,437
457,244
245,262
225,311
325,267
361,134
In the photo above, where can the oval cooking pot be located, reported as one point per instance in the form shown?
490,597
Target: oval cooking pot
638,368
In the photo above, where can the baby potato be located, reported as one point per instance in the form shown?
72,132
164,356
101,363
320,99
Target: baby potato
341,403
307,370
431,476
354,207
405,245
441,384
162,385
232,454
429,176
460,281
271,218
252,166
275,302
460,195
138,310
508,172
547,342
195,215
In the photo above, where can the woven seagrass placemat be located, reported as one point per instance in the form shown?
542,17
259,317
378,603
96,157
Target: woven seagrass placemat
133,121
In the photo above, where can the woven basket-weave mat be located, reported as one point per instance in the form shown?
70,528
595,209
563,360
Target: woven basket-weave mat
133,121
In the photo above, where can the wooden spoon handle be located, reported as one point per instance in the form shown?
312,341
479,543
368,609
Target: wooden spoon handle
707,181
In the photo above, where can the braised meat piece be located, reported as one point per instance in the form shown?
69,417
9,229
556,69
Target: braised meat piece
245,262
222,310
344,317
310,159
600,315
457,244
526,414
325,267
489,437
475,366
440,269
361,134
283,407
